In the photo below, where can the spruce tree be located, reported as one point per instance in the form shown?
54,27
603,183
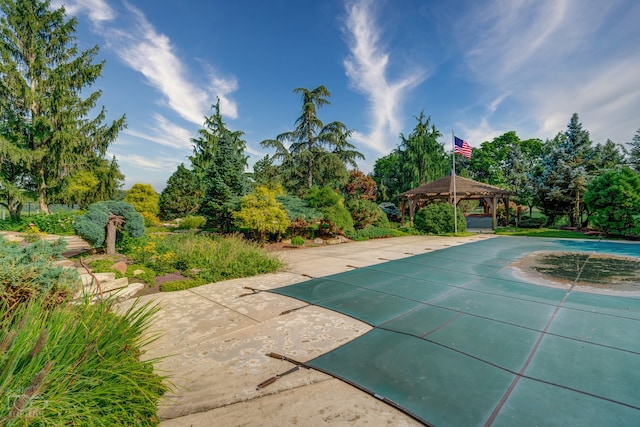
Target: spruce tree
45,126
181,196
564,174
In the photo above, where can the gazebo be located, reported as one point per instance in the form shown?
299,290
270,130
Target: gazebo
466,189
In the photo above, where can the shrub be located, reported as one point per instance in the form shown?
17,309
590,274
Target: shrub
150,220
364,213
260,212
192,222
374,232
297,241
28,273
336,218
392,211
437,218
76,364
501,215
143,198
531,222
60,222
301,215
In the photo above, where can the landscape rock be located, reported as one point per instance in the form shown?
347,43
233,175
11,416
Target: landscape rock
120,266
318,241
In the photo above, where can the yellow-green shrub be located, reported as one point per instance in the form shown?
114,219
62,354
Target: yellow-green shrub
262,213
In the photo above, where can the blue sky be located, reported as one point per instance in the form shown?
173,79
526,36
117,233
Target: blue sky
481,67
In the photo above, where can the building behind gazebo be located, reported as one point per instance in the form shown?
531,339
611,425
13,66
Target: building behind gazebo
466,189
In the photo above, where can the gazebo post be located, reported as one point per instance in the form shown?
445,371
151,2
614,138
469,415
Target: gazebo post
493,212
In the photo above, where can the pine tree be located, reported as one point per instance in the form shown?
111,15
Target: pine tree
44,105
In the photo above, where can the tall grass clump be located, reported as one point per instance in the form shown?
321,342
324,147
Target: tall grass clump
203,256
76,364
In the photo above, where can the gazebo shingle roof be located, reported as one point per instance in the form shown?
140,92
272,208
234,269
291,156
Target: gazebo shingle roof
465,188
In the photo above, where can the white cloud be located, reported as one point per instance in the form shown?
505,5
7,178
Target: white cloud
165,133
97,10
144,163
366,68
137,43
554,58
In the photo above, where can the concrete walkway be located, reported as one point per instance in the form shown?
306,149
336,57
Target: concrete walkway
214,340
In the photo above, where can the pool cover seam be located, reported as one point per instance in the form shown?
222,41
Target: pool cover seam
455,288
532,353
502,368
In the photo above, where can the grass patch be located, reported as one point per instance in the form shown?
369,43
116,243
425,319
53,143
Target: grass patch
181,285
544,232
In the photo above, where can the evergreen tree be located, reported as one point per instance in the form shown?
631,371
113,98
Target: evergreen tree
44,101
386,174
564,174
317,153
205,146
225,183
422,158
181,196
634,154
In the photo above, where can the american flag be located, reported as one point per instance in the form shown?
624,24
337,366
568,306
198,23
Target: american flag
461,147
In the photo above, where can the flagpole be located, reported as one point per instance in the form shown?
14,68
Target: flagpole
455,194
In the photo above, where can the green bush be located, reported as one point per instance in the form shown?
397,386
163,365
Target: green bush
76,364
60,222
262,214
374,232
297,241
437,218
336,218
192,222
364,213
531,222
27,273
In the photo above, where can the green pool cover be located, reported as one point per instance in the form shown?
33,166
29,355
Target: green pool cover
460,338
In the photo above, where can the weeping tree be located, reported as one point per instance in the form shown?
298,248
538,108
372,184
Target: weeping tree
45,101
422,158
102,221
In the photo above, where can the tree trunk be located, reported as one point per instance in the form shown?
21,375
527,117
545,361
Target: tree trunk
113,224
15,209
42,197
